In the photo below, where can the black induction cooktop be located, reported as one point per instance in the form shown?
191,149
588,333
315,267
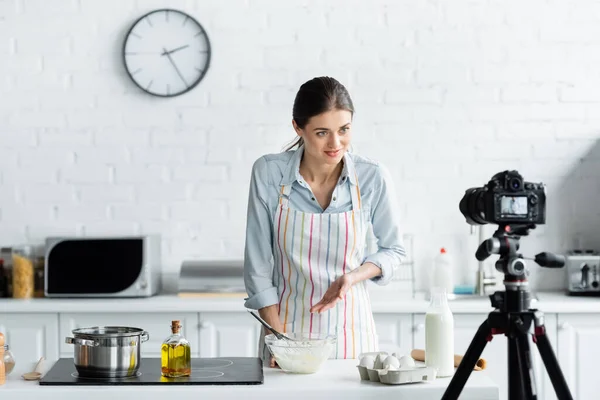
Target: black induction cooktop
205,371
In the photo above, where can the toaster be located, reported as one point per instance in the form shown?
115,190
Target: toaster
583,272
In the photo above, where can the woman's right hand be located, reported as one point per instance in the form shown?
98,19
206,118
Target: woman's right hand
271,316
273,363
278,326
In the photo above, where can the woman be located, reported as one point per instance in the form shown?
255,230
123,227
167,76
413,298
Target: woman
309,212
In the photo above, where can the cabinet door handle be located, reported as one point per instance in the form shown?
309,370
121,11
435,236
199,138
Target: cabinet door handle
563,326
205,325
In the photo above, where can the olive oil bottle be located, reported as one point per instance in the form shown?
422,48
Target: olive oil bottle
176,355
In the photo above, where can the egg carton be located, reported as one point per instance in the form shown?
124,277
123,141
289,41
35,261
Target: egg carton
392,373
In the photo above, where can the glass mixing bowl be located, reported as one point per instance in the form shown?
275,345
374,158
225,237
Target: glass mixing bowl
305,354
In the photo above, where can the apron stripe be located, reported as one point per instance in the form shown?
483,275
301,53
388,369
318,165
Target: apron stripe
319,264
327,269
353,337
351,288
337,247
297,272
363,308
358,192
312,290
302,269
345,302
281,195
282,277
287,302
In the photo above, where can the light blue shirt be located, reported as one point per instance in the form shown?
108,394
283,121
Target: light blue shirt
273,170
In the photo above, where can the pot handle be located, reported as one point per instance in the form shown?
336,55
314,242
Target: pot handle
81,342
145,336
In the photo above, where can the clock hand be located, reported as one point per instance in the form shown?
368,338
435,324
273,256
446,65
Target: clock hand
175,66
134,53
174,50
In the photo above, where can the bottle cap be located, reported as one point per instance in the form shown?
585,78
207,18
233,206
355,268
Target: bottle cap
443,250
175,325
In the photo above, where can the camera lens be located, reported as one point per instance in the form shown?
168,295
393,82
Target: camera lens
471,206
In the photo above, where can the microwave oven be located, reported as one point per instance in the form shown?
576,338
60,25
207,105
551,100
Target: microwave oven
102,266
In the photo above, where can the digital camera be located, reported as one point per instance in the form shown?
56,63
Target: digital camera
505,199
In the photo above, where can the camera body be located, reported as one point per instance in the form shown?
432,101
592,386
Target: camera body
505,199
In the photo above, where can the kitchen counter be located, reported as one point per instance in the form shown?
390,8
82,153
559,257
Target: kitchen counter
336,379
384,302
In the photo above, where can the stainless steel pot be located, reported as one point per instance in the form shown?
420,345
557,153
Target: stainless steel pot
107,351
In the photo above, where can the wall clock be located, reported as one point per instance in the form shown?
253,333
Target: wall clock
166,52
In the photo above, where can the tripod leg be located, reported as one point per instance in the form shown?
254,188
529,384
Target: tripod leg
516,389
468,362
556,376
527,373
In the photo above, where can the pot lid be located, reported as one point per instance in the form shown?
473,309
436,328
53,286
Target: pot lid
108,331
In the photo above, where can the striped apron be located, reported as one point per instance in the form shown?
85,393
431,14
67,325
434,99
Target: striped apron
310,252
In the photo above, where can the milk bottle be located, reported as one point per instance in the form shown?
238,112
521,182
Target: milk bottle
439,334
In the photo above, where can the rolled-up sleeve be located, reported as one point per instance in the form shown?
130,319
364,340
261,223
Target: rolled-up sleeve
386,228
258,252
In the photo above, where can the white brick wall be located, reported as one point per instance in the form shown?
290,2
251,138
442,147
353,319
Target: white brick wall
447,94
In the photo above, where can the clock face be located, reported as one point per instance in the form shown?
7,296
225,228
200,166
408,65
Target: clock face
166,53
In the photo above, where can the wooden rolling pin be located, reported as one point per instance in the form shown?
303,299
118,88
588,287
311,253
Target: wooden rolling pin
419,355
2,369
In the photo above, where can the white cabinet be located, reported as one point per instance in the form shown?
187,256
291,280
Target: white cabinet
573,337
228,334
394,332
579,352
31,336
156,324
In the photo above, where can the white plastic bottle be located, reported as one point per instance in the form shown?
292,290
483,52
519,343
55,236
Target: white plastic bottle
439,334
442,273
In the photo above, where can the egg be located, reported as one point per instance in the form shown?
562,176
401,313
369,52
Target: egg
391,362
407,362
367,361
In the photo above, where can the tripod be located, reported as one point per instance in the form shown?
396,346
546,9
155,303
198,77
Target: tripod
513,318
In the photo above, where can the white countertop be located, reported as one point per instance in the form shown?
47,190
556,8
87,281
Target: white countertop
385,302
336,379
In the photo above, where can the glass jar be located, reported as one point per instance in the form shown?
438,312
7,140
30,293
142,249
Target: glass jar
23,272
38,280
9,360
